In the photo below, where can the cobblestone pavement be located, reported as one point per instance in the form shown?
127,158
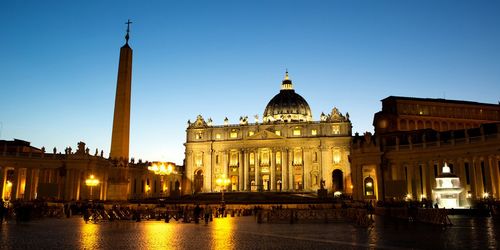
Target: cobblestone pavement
245,233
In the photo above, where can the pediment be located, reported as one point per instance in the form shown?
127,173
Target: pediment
264,135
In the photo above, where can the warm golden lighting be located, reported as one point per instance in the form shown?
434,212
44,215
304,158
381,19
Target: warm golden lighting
160,235
336,157
91,181
9,184
161,169
486,195
352,186
222,181
90,235
222,234
369,184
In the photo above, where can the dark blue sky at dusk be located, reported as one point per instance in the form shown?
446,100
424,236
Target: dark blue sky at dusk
59,61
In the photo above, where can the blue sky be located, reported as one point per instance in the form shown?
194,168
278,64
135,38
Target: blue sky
59,61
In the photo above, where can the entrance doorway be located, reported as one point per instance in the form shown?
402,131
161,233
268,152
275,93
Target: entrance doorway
337,180
198,181
266,183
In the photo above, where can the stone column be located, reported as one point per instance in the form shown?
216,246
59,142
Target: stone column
240,170
28,184
478,178
15,184
490,188
3,175
495,175
291,172
273,169
409,180
246,167
257,170
284,169
378,182
306,169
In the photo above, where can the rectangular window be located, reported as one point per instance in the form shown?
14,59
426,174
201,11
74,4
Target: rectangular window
250,133
217,136
314,132
278,158
199,135
296,131
233,134
467,173
277,132
335,129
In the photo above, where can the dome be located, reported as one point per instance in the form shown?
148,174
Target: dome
287,106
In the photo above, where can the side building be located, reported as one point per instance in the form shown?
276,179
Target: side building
287,151
415,137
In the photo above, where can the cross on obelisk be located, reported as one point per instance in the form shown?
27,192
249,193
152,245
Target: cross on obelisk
128,30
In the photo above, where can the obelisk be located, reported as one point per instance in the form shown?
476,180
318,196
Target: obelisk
121,120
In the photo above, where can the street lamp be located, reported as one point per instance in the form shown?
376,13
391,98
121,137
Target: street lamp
162,170
223,181
91,182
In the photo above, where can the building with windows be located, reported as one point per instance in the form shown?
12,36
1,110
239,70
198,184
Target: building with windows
287,151
415,137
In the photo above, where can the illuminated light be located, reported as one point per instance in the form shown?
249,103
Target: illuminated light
223,233
336,157
469,195
91,181
369,184
408,196
486,195
90,235
9,184
423,196
161,169
352,186
337,194
314,132
148,188
250,133
277,132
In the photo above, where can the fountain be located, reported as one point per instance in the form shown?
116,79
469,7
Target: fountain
447,191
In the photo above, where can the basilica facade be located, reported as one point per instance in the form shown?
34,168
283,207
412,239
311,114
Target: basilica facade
287,151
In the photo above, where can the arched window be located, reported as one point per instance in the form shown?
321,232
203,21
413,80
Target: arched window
369,186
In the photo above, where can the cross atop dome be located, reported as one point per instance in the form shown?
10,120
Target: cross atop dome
287,83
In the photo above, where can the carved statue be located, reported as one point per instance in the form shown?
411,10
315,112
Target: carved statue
54,150
323,117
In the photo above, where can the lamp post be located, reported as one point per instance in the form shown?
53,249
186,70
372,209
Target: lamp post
161,169
223,182
91,182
